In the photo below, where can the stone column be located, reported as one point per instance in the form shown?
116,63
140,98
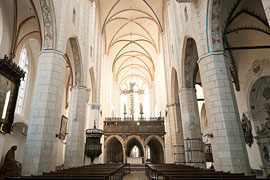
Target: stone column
191,128
41,143
266,5
177,133
76,127
228,145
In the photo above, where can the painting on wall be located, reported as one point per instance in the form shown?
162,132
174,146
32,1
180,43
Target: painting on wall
10,78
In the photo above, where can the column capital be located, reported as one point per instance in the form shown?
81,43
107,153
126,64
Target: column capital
53,51
213,53
186,89
80,88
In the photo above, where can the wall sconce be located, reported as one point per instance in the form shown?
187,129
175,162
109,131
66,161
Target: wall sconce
100,112
166,113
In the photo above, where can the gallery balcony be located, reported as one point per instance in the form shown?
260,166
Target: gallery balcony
141,126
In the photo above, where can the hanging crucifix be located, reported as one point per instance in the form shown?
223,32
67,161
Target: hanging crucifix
131,91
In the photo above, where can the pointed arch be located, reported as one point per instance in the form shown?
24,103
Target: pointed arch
49,30
77,60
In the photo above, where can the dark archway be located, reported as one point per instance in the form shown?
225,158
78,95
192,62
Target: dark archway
155,150
131,144
114,151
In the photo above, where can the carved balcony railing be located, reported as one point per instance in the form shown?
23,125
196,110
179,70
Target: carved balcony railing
128,126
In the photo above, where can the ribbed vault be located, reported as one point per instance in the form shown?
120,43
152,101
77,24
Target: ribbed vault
132,30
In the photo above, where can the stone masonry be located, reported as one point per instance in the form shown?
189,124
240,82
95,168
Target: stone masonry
229,149
76,128
41,142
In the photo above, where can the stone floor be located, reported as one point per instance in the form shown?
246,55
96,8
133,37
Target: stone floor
136,175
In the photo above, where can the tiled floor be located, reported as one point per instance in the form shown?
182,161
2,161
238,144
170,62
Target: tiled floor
136,175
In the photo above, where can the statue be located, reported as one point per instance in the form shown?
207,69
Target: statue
11,166
246,125
247,129
267,107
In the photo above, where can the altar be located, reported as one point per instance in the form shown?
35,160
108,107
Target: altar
135,160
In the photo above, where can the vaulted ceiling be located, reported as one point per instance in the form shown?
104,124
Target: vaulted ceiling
132,35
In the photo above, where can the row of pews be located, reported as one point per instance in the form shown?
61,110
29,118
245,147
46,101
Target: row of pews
91,172
183,172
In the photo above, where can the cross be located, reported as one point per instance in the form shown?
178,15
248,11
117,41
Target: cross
131,91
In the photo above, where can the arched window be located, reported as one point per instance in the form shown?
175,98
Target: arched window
135,151
23,63
148,156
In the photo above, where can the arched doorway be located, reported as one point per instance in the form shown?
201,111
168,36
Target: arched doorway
114,151
154,152
134,147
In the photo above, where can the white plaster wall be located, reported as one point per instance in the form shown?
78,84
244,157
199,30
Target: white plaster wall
6,10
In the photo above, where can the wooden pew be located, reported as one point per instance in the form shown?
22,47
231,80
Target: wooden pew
91,172
183,172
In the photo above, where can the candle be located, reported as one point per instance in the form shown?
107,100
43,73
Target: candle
125,110
141,108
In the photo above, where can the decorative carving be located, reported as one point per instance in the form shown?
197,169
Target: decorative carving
189,64
48,22
260,91
93,145
215,25
264,130
77,59
247,129
131,91
255,69
10,77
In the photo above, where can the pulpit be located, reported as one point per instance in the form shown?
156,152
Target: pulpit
93,145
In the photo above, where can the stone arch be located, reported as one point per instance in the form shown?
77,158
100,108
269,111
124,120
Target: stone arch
77,60
246,24
92,85
253,76
114,150
259,95
131,142
156,147
158,138
214,13
49,25
190,66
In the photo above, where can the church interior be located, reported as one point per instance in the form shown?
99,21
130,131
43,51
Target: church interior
135,86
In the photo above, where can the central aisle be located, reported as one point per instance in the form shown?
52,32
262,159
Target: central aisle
136,175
